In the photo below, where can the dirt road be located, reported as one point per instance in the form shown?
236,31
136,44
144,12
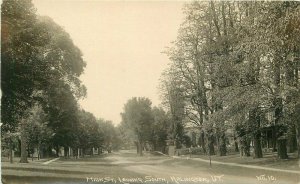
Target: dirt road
127,168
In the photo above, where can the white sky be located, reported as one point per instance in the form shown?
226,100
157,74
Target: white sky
121,43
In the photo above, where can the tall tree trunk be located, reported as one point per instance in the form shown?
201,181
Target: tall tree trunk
140,148
24,153
292,139
92,151
66,150
282,151
236,145
257,145
278,117
254,119
297,125
38,150
277,102
274,138
210,142
222,144
99,151
221,138
211,148
137,147
215,19
298,139
194,139
245,146
11,158
291,81
57,151
74,150
49,152
202,141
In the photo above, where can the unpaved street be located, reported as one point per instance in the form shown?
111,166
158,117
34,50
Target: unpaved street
127,168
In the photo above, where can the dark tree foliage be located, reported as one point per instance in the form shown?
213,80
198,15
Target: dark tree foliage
40,64
137,116
238,65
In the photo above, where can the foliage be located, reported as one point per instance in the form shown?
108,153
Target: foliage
160,129
236,63
173,99
137,116
36,128
40,65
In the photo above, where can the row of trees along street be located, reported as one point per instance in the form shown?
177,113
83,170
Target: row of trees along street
41,87
235,66
149,127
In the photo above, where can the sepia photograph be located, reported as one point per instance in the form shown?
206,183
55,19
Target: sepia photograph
150,92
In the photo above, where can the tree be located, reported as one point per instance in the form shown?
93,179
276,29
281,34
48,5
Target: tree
236,63
38,57
37,130
173,99
192,64
11,140
126,135
90,133
161,128
109,135
62,109
21,38
137,116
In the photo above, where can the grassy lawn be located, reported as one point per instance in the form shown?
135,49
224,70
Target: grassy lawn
269,160
64,170
17,160
230,170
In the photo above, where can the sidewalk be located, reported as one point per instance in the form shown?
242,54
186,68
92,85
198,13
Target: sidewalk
293,165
